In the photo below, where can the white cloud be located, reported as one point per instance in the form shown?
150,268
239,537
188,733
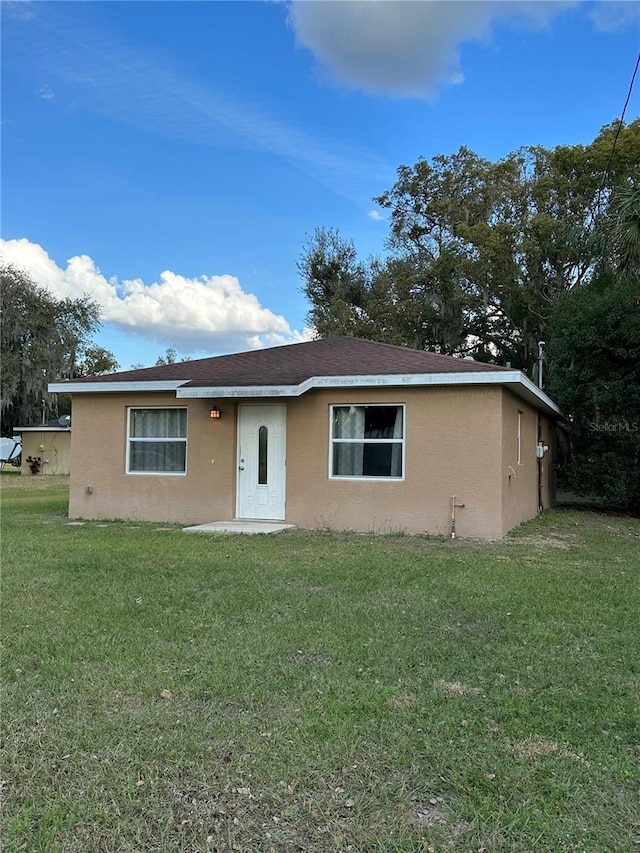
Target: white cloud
139,86
400,47
205,314
375,215
22,9
611,15
46,93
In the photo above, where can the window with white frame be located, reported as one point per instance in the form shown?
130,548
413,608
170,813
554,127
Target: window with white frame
367,441
157,441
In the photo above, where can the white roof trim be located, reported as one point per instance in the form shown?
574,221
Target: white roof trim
515,379
47,428
530,391
114,387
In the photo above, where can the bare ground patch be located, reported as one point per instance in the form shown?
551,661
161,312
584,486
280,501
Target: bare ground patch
16,482
531,748
551,540
456,688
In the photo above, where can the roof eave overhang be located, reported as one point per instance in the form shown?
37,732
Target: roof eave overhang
513,379
43,428
98,387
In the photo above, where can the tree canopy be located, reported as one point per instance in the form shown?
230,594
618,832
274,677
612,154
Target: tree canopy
95,361
594,356
480,253
42,339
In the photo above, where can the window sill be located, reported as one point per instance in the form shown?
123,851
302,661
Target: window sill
156,473
357,479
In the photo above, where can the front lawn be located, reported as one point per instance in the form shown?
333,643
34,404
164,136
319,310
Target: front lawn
315,691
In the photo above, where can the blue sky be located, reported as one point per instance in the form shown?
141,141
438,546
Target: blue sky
169,158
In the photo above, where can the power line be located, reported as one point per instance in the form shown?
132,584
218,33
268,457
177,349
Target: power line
617,134
589,226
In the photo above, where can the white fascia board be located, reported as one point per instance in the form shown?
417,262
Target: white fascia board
366,381
243,391
530,392
114,387
400,379
41,429
514,379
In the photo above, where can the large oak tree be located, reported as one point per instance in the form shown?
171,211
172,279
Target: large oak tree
42,339
480,253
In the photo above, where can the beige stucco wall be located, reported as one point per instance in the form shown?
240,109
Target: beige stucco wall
53,448
100,488
453,447
519,481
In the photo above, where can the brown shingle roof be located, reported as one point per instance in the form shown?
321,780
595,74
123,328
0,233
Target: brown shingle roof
291,366
294,363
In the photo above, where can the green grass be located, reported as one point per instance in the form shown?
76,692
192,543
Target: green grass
327,692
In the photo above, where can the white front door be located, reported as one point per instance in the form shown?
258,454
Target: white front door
261,461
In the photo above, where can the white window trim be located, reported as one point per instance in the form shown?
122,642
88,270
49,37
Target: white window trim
402,441
131,409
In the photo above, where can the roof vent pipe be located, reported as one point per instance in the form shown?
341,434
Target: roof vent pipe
541,345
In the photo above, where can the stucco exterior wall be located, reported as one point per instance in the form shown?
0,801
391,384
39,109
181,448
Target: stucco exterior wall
519,480
453,447
101,488
53,448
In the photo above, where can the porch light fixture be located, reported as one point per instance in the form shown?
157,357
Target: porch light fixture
215,413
